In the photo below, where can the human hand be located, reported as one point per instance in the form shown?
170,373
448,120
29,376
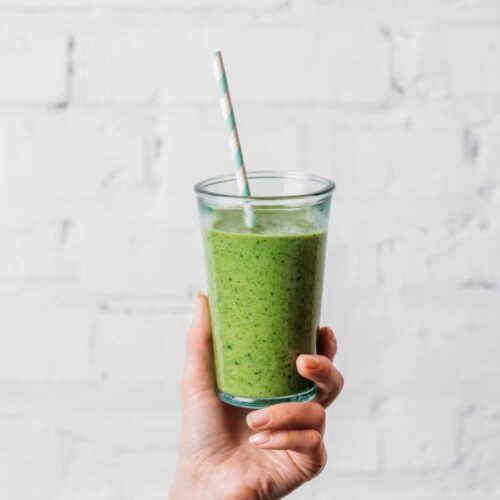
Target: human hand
232,453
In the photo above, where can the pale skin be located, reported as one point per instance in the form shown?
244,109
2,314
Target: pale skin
232,453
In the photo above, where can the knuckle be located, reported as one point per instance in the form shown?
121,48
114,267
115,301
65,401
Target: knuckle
326,369
279,414
288,437
324,363
341,379
324,460
315,439
320,414
287,413
186,383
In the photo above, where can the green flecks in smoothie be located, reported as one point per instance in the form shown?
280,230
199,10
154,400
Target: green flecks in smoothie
265,293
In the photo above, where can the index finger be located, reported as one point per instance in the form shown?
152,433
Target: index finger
326,342
199,364
321,371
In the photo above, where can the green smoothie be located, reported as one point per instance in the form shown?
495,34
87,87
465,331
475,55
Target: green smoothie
265,287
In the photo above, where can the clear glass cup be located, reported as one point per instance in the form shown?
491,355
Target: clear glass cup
264,258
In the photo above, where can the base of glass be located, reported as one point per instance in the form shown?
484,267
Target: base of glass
254,403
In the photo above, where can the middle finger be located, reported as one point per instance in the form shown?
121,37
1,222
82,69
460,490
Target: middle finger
323,373
288,416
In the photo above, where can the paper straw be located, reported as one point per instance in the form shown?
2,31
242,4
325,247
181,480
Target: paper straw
232,131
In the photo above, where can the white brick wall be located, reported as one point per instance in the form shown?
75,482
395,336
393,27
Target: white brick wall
108,115
34,68
170,66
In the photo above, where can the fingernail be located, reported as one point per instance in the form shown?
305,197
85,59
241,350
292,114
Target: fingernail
332,334
197,308
258,418
310,362
198,317
197,303
260,439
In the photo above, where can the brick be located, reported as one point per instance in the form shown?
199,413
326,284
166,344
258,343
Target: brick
459,60
28,446
33,250
141,260
140,6
380,218
268,142
145,475
272,139
126,66
419,435
409,161
36,330
133,348
414,334
489,188
442,261
44,5
174,210
99,474
353,444
453,329
374,342
193,4
481,447
358,55
129,67
79,409
35,68
405,487
91,474
405,46
452,264
350,265
70,165
95,440
125,430
352,156
357,486
306,59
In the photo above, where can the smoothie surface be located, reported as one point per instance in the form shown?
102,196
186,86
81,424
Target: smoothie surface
265,288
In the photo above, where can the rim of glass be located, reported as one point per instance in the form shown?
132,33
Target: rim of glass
202,187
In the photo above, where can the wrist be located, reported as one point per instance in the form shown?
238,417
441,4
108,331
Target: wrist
181,488
186,485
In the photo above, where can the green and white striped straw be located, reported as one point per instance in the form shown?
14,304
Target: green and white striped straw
232,131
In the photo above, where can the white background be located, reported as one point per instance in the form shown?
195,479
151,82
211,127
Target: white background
109,114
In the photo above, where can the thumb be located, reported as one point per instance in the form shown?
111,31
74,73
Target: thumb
199,363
